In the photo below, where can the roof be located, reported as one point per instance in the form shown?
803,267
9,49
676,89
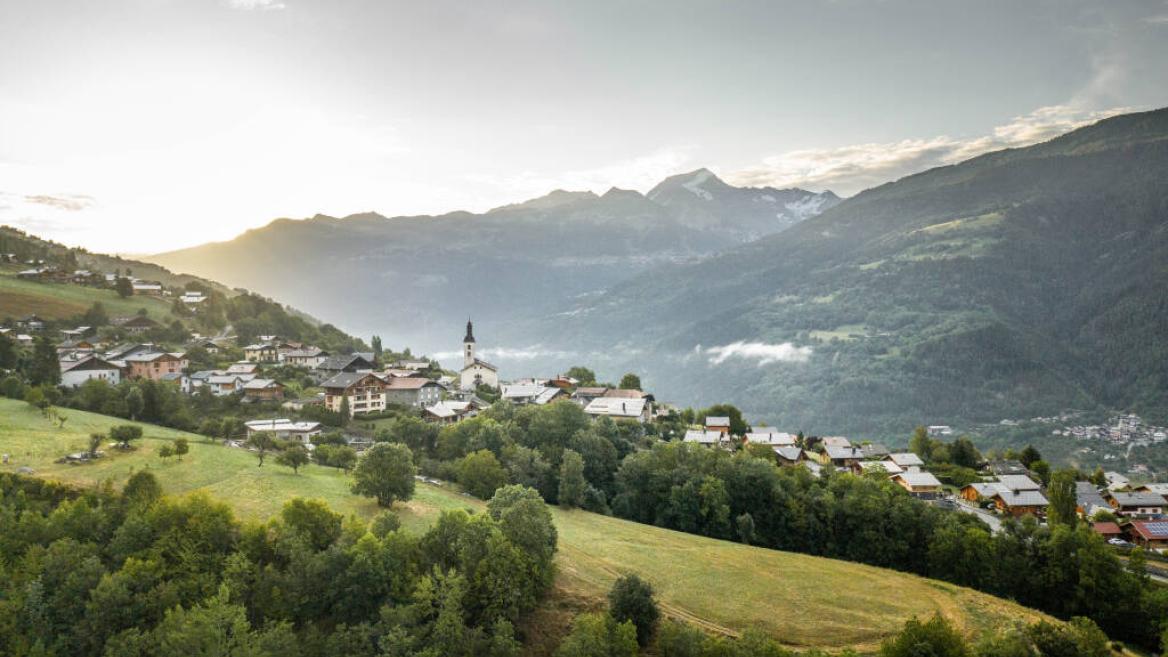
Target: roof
1152,530
341,361
905,459
259,347
1021,498
717,421
1018,482
1106,528
408,383
838,441
521,390
480,363
874,450
448,408
1007,466
775,438
1087,496
547,395
703,437
629,394
985,488
919,479
220,379
1138,499
242,366
346,380
591,391
88,363
1158,489
310,352
616,406
882,466
788,453
261,384
835,452
140,321
281,424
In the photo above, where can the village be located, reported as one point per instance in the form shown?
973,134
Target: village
296,392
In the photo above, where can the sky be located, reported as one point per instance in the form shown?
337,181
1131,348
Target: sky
139,126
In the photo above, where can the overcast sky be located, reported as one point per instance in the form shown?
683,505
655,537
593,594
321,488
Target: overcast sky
145,125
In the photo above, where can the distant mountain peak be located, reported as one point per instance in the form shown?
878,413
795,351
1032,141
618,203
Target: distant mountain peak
553,199
701,183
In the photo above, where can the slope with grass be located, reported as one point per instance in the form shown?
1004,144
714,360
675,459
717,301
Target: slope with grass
723,587
55,301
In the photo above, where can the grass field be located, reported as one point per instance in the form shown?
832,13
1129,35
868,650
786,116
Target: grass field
724,587
59,300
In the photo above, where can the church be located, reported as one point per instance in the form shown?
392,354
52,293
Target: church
475,372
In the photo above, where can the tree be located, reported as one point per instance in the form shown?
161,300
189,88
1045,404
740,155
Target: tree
135,403
125,434
8,355
166,451
573,486
920,444
934,638
745,525
142,489
95,440
1062,498
585,376
631,599
261,442
599,635
375,341
481,474
1098,477
313,520
293,456
344,413
182,446
630,381
43,368
386,472
1029,456
124,287
1042,470
737,423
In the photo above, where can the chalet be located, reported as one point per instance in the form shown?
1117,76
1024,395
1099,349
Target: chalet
449,412
243,367
988,490
919,484
770,437
619,408
412,391
719,423
284,429
263,390
789,455
364,392
74,373
1088,501
1107,530
1020,502
310,357
155,365
147,288
841,457
835,441
475,372
705,438
1136,505
522,393
261,353
1149,534
220,383
138,324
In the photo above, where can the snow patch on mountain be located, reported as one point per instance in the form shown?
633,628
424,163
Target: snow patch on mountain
803,208
695,185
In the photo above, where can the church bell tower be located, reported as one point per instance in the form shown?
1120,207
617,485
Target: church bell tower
468,344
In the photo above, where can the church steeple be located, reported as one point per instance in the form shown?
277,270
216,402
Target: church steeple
468,343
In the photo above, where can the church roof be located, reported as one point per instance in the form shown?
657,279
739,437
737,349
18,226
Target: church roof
481,363
469,332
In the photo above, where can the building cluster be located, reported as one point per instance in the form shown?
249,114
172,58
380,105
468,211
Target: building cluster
1121,430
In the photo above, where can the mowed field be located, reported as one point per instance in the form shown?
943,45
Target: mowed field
724,587
60,301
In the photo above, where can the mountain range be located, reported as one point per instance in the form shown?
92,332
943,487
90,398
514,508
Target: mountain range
1017,283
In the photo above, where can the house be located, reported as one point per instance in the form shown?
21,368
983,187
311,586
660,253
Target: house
1007,467
263,390
1107,530
284,429
836,441
74,373
521,393
1020,502
1011,485
842,457
124,351
148,288
979,490
412,391
1136,505
261,353
619,408
719,423
310,357
193,298
155,365
789,455
1149,534
919,484
138,324
209,346
415,365
475,372
705,438
218,382
1088,501
364,392
906,460
1155,489
1116,481
585,394
449,411
875,451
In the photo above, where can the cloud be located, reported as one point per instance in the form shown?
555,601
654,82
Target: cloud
253,5
763,353
1159,19
849,169
67,202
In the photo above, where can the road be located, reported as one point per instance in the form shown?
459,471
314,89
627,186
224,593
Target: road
994,522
